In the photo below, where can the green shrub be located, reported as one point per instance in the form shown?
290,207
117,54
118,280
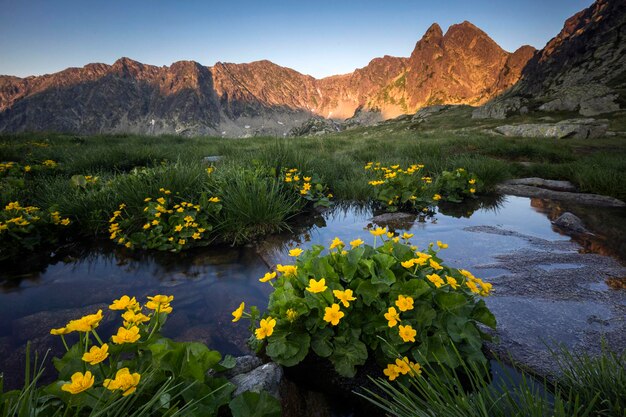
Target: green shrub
455,186
309,187
26,228
339,304
397,188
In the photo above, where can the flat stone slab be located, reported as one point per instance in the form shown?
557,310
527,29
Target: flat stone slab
574,128
542,183
552,295
578,198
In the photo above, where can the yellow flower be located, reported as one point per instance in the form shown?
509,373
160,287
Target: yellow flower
178,227
160,303
27,168
434,265
336,243
60,331
96,354
435,279
291,314
124,381
287,270
356,243
375,183
268,277
472,190
472,181
344,296
65,222
237,314
472,286
392,317
147,199
317,286
404,303
306,179
126,335
195,236
128,245
131,318
391,371
266,328
86,323
452,282
181,241
407,236
79,383
442,245
436,197
124,303
295,252
395,166
332,314
408,264
146,226
416,369
306,186
378,231
214,200
407,333
403,365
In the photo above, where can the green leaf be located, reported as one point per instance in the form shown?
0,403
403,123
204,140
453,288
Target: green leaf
370,292
321,343
450,300
483,315
349,353
289,349
252,404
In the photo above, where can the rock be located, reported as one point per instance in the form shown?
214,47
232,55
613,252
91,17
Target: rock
540,182
426,112
570,222
500,108
263,378
578,198
243,365
316,126
599,105
572,128
397,220
214,158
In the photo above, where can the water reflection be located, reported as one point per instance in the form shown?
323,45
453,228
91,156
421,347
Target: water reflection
208,283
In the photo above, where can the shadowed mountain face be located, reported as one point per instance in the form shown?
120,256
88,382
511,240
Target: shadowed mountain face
581,69
462,66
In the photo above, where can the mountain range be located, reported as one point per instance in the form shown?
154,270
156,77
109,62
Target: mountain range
461,66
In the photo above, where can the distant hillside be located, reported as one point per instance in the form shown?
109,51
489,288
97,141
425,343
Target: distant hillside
462,66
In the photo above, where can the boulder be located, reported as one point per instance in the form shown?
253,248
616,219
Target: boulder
599,105
540,182
571,128
263,378
500,108
578,198
570,222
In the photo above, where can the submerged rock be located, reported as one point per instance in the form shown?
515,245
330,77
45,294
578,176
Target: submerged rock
578,198
397,220
571,222
572,128
263,378
540,182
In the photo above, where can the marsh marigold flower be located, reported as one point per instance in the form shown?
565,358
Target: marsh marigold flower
435,279
60,331
132,318
435,265
332,314
124,381
407,333
124,303
96,354
287,270
126,335
295,252
392,317
442,245
436,197
86,323
336,243
160,303
391,371
404,303
238,312
268,277
344,296
317,286
266,328
356,243
452,282
80,382
379,231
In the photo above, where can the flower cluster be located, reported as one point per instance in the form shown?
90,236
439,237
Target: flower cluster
27,227
166,224
94,353
308,187
397,188
456,185
407,189
339,302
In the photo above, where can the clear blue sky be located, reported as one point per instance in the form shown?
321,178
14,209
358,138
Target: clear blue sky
314,37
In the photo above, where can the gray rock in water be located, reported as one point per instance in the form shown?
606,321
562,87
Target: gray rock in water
264,378
397,220
570,222
573,128
578,198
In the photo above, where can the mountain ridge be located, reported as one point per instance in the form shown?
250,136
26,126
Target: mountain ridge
461,66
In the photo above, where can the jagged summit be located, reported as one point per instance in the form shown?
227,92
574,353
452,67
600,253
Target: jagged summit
462,66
